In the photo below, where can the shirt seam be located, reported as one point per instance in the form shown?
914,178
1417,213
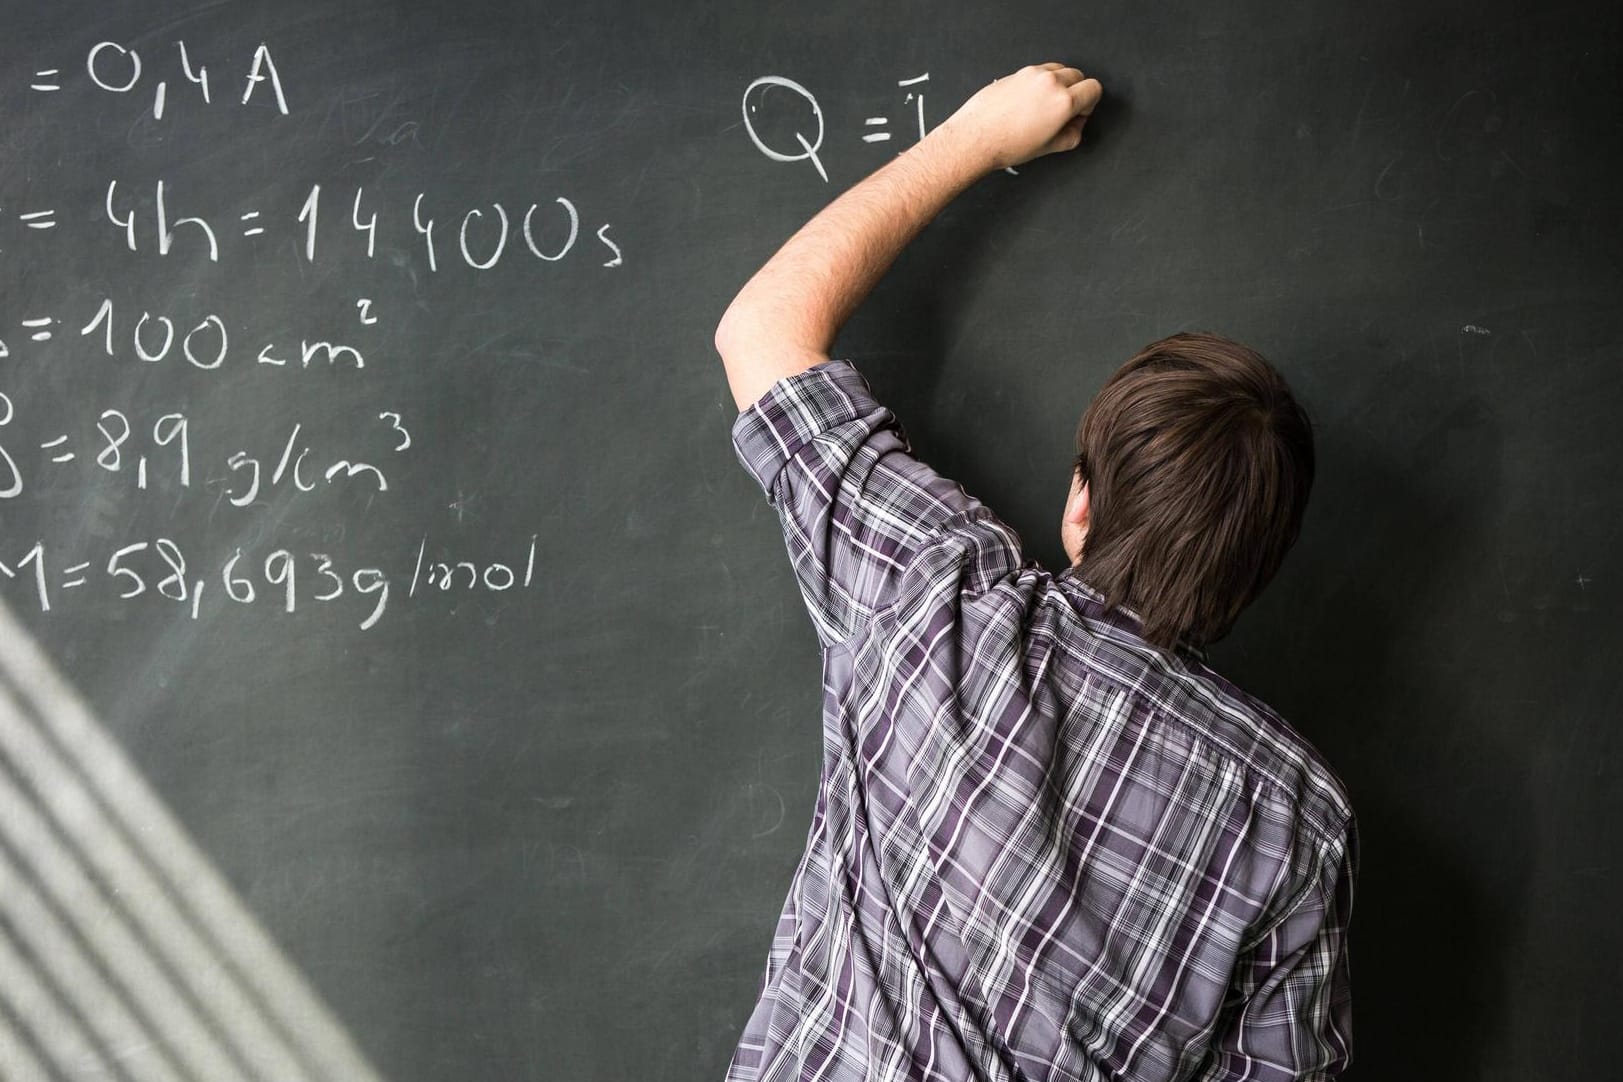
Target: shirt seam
1321,852
1321,833
935,534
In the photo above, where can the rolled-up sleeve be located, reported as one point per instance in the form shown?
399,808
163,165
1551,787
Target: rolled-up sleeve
854,503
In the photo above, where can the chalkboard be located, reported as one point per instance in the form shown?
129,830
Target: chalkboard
401,678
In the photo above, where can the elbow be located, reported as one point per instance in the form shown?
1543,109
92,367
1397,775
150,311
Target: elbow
759,344
730,332
724,335
730,342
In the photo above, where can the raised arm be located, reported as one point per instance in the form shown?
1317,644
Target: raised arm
785,318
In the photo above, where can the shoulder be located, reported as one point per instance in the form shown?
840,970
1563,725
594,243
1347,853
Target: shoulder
971,574
1269,745
1279,764
972,552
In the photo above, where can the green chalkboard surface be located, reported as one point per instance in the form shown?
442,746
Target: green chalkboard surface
400,678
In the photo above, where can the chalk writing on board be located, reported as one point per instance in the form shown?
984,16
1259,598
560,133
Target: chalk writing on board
139,443
154,337
809,114
117,69
549,231
127,445
446,574
158,567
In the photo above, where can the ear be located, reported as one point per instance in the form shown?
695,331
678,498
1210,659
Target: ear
1078,506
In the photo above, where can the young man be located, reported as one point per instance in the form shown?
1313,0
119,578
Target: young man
1049,842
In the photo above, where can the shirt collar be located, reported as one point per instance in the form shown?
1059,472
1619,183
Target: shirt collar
1122,617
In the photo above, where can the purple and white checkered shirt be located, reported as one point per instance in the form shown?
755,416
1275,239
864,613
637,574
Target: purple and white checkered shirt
1042,849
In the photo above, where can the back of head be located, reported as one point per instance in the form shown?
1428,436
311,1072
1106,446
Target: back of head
1198,462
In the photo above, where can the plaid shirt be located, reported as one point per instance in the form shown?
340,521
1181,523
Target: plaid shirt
1042,849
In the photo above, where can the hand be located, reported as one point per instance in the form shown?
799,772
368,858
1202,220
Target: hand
1038,110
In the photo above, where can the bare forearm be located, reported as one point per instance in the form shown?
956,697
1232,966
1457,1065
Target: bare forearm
785,318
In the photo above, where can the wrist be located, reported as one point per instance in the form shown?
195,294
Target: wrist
957,153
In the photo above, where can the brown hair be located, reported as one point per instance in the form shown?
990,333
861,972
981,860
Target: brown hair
1198,462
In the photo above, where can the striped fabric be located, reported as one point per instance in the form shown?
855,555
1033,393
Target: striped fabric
1042,849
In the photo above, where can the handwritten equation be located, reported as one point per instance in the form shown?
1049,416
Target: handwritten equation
123,445
157,567
114,68
810,117
180,450
548,231
795,114
491,228
152,338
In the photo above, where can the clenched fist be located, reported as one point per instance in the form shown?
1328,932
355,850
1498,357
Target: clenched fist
1035,111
